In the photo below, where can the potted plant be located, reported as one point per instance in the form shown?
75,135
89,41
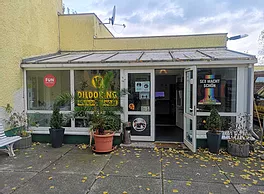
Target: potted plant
18,124
56,130
239,133
214,135
104,120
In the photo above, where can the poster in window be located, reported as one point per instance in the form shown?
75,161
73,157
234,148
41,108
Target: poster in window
209,85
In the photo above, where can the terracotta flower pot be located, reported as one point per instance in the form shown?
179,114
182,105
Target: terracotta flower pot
104,143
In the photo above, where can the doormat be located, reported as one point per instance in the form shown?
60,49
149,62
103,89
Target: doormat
178,146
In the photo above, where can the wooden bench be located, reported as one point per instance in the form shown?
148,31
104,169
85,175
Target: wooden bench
7,142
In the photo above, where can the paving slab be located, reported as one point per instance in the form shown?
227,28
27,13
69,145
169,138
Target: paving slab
46,147
76,150
58,183
244,188
185,187
80,163
244,170
10,181
116,184
134,162
28,160
187,167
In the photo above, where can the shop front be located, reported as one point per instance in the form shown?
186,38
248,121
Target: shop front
170,92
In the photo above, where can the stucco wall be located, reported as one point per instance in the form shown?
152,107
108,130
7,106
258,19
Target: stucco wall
100,30
84,32
165,42
76,32
28,28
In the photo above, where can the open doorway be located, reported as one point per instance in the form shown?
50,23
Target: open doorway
169,101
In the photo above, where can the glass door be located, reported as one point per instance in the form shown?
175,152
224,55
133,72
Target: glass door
139,105
190,90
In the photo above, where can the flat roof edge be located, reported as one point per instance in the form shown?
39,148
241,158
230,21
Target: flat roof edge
168,36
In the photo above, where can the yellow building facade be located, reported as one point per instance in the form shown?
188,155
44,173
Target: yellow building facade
28,28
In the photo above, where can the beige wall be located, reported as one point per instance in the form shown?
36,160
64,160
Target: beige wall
100,30
76,32
84,32
165,42
28,28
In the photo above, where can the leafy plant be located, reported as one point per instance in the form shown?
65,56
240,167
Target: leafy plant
17,120
213,122
100,116
105,117
56,118
240,132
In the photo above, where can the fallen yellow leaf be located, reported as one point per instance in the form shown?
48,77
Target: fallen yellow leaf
175,191
22,179
85,177
52,187
148,189
14,188
50,178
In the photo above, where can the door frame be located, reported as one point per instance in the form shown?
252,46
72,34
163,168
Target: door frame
151,113
192,117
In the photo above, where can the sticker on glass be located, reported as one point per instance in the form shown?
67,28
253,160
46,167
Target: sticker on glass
139,124
142,86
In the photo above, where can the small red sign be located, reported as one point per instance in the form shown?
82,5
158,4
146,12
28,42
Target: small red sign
49,80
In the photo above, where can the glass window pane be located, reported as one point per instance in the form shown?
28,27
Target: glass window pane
139,88
217,87
43,87
85,87
189,92
189,131
43,120
226,120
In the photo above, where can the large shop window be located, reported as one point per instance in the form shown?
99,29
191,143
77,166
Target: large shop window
85,89
217,87
43,87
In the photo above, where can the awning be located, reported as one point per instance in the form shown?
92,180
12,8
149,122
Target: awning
177,57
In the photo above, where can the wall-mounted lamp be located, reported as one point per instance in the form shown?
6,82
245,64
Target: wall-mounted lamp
237,37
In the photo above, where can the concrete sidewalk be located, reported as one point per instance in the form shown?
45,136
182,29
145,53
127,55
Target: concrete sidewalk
42,169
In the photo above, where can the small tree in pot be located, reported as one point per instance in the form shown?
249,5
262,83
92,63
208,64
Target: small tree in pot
105,119
56,130
214,135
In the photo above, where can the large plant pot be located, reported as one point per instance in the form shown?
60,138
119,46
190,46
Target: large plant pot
235,149
214,141
56,136
23,143
104,143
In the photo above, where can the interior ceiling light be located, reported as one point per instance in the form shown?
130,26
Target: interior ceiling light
163,71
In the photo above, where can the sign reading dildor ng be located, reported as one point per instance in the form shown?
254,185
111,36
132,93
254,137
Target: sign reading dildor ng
49,80
88,98
209,84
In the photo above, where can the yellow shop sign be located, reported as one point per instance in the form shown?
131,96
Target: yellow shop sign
87,98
